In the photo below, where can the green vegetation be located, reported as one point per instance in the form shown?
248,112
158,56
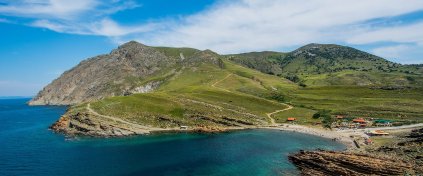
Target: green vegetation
321,114
401,105
202,95
327,65
320,81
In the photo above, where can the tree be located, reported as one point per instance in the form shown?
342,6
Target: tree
324,114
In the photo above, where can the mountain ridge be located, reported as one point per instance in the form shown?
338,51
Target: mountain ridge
127,67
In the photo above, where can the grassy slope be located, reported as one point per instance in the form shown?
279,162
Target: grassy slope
303,116
364,101
362,78
202,95
325,65
356,86
224,96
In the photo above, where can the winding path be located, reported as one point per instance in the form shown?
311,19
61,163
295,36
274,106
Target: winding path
269,115
217,82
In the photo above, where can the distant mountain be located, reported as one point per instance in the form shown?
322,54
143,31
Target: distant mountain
338,65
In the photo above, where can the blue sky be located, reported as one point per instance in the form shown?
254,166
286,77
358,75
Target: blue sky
42,38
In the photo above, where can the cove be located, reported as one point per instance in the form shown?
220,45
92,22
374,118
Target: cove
29,148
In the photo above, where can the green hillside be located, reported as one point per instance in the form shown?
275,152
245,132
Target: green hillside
203,89
327,64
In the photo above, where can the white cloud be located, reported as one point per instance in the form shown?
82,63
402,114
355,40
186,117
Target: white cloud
63,9
235,25
104,27
403,34
89,17
391,51
402,53
107,27
271,24
64,27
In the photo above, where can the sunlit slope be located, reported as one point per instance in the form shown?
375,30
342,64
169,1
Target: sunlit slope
355,101
203,95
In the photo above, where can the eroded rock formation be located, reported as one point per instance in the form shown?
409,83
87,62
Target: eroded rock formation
322,163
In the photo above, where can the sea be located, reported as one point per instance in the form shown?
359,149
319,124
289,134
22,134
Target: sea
28,147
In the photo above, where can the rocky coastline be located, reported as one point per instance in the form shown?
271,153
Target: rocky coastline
402,155
322,163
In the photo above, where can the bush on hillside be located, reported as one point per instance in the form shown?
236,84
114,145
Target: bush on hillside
278,96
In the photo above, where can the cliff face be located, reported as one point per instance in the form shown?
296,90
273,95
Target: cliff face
105,75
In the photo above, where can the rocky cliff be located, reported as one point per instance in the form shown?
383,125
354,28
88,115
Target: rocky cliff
105,75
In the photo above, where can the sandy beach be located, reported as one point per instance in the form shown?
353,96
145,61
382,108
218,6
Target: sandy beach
340,137
344,136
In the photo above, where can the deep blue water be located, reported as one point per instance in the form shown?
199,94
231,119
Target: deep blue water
29,148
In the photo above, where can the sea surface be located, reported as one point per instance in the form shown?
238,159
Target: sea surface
27,147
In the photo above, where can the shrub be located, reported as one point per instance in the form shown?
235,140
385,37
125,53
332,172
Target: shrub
302,85
278,96
293,78
327,119
321,113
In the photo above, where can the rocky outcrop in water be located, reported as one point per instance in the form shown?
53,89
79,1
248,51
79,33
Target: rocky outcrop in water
88,124
322,163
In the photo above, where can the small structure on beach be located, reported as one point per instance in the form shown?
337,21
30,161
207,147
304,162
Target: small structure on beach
377,133
368,141
183,127
339,117
359,120
383,122
291,119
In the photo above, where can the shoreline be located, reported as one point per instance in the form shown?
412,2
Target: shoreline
319,132
345,137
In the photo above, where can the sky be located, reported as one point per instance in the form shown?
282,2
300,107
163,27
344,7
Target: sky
40,39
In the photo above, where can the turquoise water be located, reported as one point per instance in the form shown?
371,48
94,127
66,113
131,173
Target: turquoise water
29,148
